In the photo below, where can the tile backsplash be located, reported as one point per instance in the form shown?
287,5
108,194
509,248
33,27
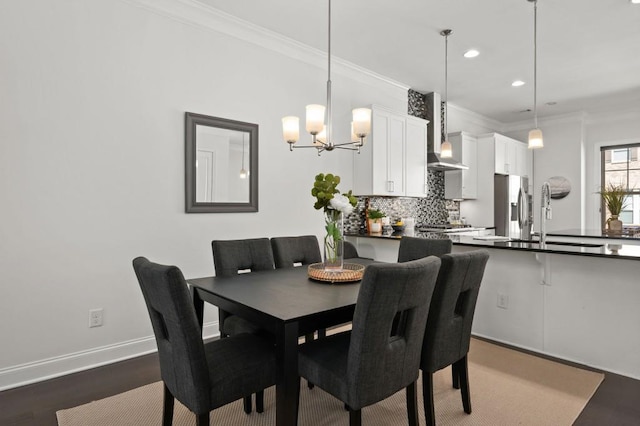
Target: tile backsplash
432,209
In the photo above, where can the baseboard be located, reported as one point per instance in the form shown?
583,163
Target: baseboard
38,371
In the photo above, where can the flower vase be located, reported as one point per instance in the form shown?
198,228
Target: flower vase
333,240
615,225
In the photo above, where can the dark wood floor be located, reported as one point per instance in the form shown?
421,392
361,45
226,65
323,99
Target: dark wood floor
616,402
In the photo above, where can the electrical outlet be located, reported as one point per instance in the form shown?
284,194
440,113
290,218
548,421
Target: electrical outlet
95,317
503,301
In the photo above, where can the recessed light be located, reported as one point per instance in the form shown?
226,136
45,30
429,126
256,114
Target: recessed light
472,53
517,83
635,1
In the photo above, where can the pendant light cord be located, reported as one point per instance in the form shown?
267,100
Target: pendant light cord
535,63
328,141
446,85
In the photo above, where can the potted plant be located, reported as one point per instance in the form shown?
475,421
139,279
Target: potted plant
614,198
375,220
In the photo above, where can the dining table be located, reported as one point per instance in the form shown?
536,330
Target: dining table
287,304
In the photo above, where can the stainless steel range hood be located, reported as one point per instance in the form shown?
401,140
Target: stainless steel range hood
434,137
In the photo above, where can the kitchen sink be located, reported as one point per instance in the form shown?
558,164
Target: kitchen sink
560,243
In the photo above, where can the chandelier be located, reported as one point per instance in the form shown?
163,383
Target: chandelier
321,134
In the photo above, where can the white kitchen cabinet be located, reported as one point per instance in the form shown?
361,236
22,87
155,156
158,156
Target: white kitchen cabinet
416,157
511,157
394,160
462,184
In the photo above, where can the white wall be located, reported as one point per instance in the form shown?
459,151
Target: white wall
92,106
611,128
562,155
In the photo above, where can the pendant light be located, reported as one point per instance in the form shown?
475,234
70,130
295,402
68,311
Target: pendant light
243,172
446,151
535,134
321,134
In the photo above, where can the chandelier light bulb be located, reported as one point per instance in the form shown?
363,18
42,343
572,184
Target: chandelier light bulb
291,129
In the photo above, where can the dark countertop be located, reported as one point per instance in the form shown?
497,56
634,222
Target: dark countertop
629,234
608,250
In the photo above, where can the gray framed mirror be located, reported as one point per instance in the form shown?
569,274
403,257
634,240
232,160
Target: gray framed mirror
221,167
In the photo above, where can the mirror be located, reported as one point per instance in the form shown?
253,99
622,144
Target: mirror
221,167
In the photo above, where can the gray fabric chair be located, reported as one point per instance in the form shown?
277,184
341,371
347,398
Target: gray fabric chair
412,248
381,354
201,376
350,251
448,331
229,257
288,251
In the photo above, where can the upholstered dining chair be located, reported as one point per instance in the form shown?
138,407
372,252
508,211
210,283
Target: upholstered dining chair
448,332
288,251
381,354
412,248
201,376
231,257
350,250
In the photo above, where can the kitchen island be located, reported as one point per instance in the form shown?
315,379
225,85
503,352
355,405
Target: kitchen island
575,302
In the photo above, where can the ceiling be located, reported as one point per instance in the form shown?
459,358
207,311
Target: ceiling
588,50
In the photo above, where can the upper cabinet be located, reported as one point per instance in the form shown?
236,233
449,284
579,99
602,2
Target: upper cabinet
462,184
511,157
394,160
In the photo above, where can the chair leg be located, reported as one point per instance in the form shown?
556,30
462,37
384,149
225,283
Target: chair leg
322,333
202,419
355,417
247,404
463,372
167,409
427,397
260,401
412,404
455,376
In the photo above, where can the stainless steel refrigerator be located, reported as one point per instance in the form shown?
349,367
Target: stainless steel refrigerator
513,207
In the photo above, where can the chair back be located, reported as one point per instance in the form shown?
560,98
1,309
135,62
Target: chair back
350,251
388,328
453,304
412,248
231,256
183,364
290,250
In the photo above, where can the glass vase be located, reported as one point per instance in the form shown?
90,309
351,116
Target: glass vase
333,240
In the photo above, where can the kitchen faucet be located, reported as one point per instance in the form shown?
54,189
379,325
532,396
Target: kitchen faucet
545,211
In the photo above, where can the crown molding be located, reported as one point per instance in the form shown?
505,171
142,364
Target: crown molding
476,118
202,16
574,117
605,116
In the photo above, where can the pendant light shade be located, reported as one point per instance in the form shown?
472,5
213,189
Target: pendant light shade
535,135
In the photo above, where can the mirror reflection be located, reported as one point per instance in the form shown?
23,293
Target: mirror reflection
221,167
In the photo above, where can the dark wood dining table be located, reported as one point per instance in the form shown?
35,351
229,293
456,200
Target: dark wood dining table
286,303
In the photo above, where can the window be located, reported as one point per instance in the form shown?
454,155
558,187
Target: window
621,166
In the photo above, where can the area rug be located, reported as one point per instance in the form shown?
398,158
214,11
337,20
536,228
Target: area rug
508,387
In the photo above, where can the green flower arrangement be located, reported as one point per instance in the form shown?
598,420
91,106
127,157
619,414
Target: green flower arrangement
334,204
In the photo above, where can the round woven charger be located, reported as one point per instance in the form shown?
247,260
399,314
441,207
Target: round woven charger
350,272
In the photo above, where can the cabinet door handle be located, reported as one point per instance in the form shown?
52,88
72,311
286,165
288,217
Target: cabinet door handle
390,186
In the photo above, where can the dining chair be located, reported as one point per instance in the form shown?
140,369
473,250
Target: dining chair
289,251
202,376
412,248
448,332
231,257
350,251
381,354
